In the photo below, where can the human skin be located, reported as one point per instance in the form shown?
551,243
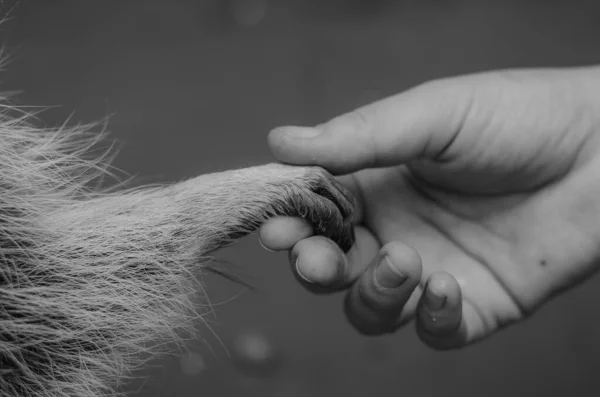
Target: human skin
478,202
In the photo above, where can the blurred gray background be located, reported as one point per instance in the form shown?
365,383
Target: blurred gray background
194,86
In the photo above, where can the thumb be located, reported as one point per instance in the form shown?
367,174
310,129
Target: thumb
419,123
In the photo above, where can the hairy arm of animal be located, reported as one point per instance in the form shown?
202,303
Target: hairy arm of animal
92,284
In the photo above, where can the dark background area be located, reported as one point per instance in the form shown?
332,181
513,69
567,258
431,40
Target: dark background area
194,86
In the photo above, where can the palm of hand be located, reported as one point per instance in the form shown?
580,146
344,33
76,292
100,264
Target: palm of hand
452,237
497,193
510,237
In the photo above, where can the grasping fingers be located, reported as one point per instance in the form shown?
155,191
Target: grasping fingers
376,303
317,262
440,322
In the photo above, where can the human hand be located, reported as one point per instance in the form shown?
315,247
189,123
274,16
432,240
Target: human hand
479,200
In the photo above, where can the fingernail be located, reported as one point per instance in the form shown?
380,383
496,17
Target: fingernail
434,302
386,275
301,132
302,276
262,245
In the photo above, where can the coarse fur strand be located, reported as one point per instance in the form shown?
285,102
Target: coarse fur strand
94,281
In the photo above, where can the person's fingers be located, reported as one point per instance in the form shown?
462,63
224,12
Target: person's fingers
419,123
283,232
375,303
440,322
321,266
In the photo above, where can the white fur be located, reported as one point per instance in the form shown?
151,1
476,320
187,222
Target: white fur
93,282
